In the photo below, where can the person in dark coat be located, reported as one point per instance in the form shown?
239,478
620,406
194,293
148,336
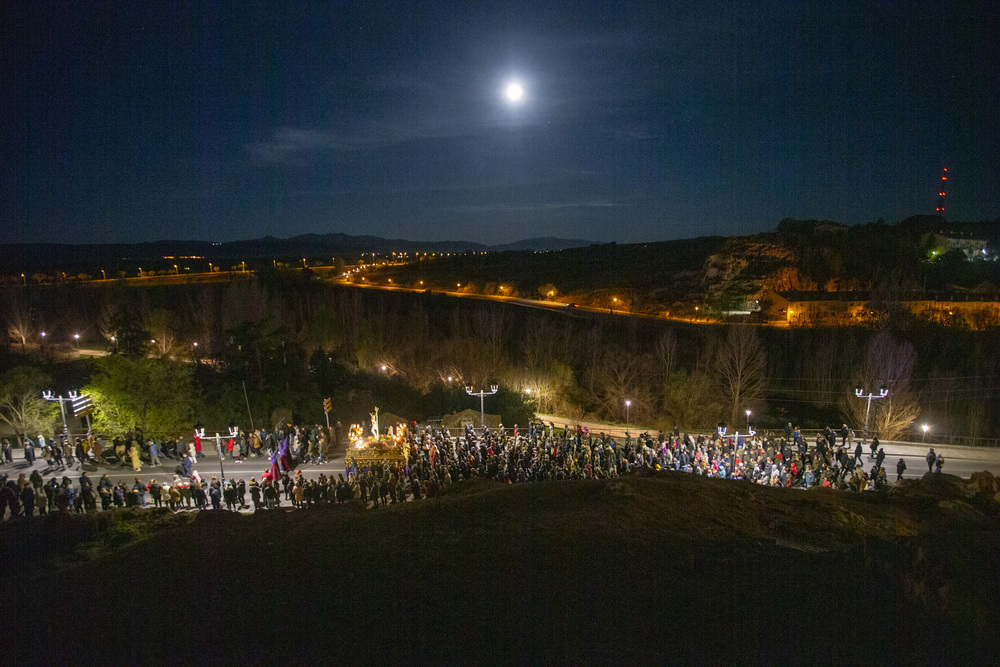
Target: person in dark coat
931,459
28,500
156,493
229,493
81,453
139,489
9,499
900,469
88,497
255,493
105,490
215,493
880,458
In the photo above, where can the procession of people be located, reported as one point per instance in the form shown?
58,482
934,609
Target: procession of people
435,459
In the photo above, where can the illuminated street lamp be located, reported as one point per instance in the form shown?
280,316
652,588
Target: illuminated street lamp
628,404
76,336
925,428
482,393
748,421
860,393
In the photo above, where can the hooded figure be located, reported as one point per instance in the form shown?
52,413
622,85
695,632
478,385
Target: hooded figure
134,453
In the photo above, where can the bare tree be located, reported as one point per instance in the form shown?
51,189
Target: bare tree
887,363
740,366
491,325
160,325
537,342
619,377
665,353
18,318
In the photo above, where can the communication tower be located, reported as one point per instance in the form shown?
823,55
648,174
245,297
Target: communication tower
942,192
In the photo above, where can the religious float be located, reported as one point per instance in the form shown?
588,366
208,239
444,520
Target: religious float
367,451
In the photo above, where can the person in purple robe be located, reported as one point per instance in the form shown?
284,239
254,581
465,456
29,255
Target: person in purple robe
283,454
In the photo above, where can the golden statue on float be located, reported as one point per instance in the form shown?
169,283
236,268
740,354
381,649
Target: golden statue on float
388,449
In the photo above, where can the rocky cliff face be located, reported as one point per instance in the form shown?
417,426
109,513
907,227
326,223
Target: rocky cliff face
750,266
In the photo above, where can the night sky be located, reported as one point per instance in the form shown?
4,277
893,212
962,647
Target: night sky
135,121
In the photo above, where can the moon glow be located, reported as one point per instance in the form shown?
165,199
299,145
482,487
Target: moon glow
514,91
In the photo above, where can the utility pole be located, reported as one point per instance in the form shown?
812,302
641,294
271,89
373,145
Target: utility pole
62,400
247,399
482,393
860,393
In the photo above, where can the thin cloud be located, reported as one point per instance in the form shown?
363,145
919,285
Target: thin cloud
528,208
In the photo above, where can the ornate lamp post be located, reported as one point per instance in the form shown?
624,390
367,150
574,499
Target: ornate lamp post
482,393
860,393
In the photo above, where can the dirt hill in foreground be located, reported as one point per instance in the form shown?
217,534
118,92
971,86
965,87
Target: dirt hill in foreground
660,568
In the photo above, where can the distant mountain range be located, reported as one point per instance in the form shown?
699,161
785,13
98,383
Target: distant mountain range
33,257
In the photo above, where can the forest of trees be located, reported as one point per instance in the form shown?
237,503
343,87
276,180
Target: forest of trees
290,340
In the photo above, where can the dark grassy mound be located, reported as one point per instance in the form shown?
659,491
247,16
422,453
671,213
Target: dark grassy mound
664,568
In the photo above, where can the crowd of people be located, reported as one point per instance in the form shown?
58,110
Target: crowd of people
133,450
435,460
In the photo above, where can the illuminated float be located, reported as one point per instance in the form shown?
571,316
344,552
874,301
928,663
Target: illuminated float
368,451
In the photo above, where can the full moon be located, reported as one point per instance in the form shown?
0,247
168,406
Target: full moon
514,91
